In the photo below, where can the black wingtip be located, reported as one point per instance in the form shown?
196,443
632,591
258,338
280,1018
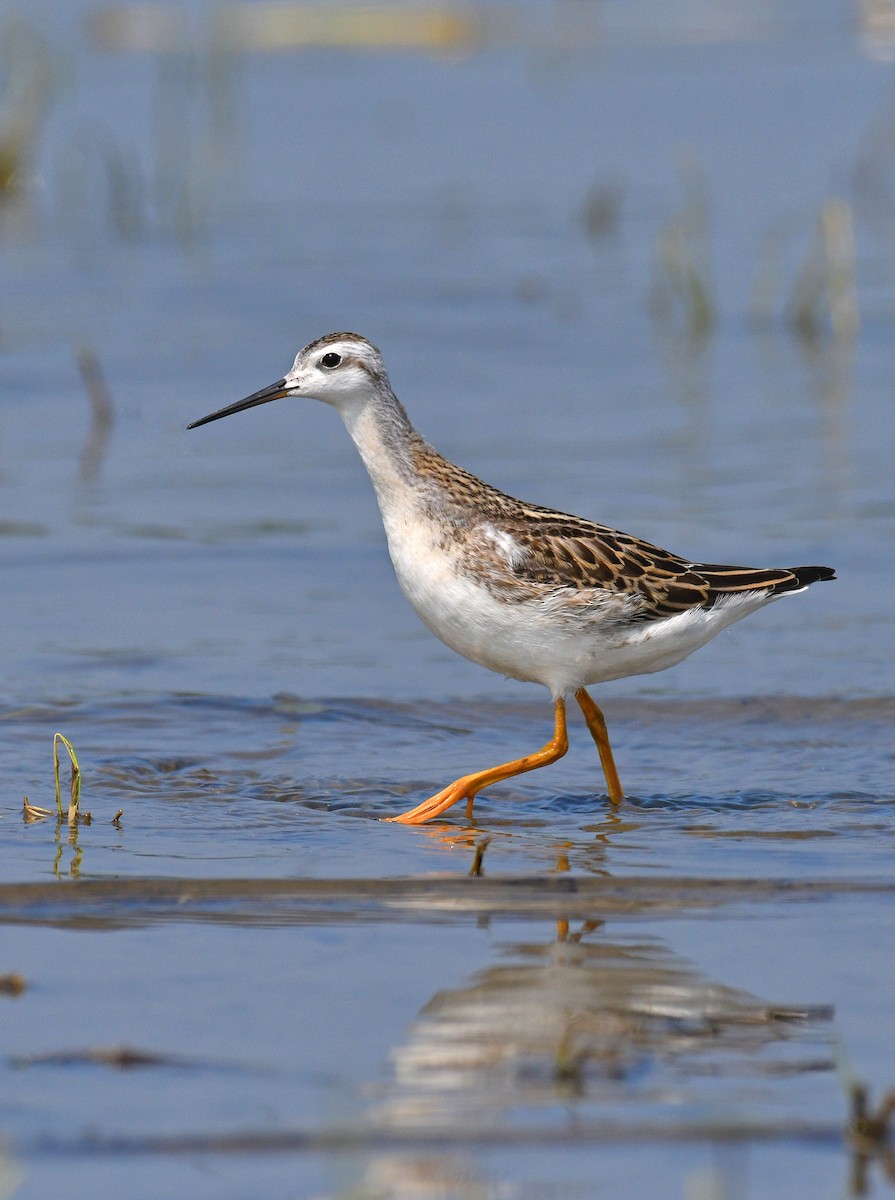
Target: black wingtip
809,575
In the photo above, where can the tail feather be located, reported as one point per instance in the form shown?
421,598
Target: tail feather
809,575
772,581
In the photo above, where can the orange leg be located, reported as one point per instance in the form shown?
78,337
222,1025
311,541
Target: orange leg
468,786
596,723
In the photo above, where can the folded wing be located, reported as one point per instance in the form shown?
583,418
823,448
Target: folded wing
562,551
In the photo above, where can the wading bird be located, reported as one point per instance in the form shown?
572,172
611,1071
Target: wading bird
534,594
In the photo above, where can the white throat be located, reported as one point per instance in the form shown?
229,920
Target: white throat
382,436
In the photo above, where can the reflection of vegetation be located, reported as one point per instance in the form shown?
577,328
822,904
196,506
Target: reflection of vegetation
477,867
873,1126
601,211
101,413
825,294
683,291
822,300
869,1130
100,184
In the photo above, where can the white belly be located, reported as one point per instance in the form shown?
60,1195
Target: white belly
546,640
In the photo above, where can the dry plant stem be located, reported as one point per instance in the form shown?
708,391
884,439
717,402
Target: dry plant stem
468,786
75,778
596,723
32,812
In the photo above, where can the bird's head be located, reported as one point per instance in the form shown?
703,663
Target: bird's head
341,369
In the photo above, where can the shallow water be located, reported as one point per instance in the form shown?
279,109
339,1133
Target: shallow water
254,986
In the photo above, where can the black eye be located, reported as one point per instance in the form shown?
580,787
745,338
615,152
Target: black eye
330,360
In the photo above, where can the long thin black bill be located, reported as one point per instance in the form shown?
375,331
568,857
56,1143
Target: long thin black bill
275,391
